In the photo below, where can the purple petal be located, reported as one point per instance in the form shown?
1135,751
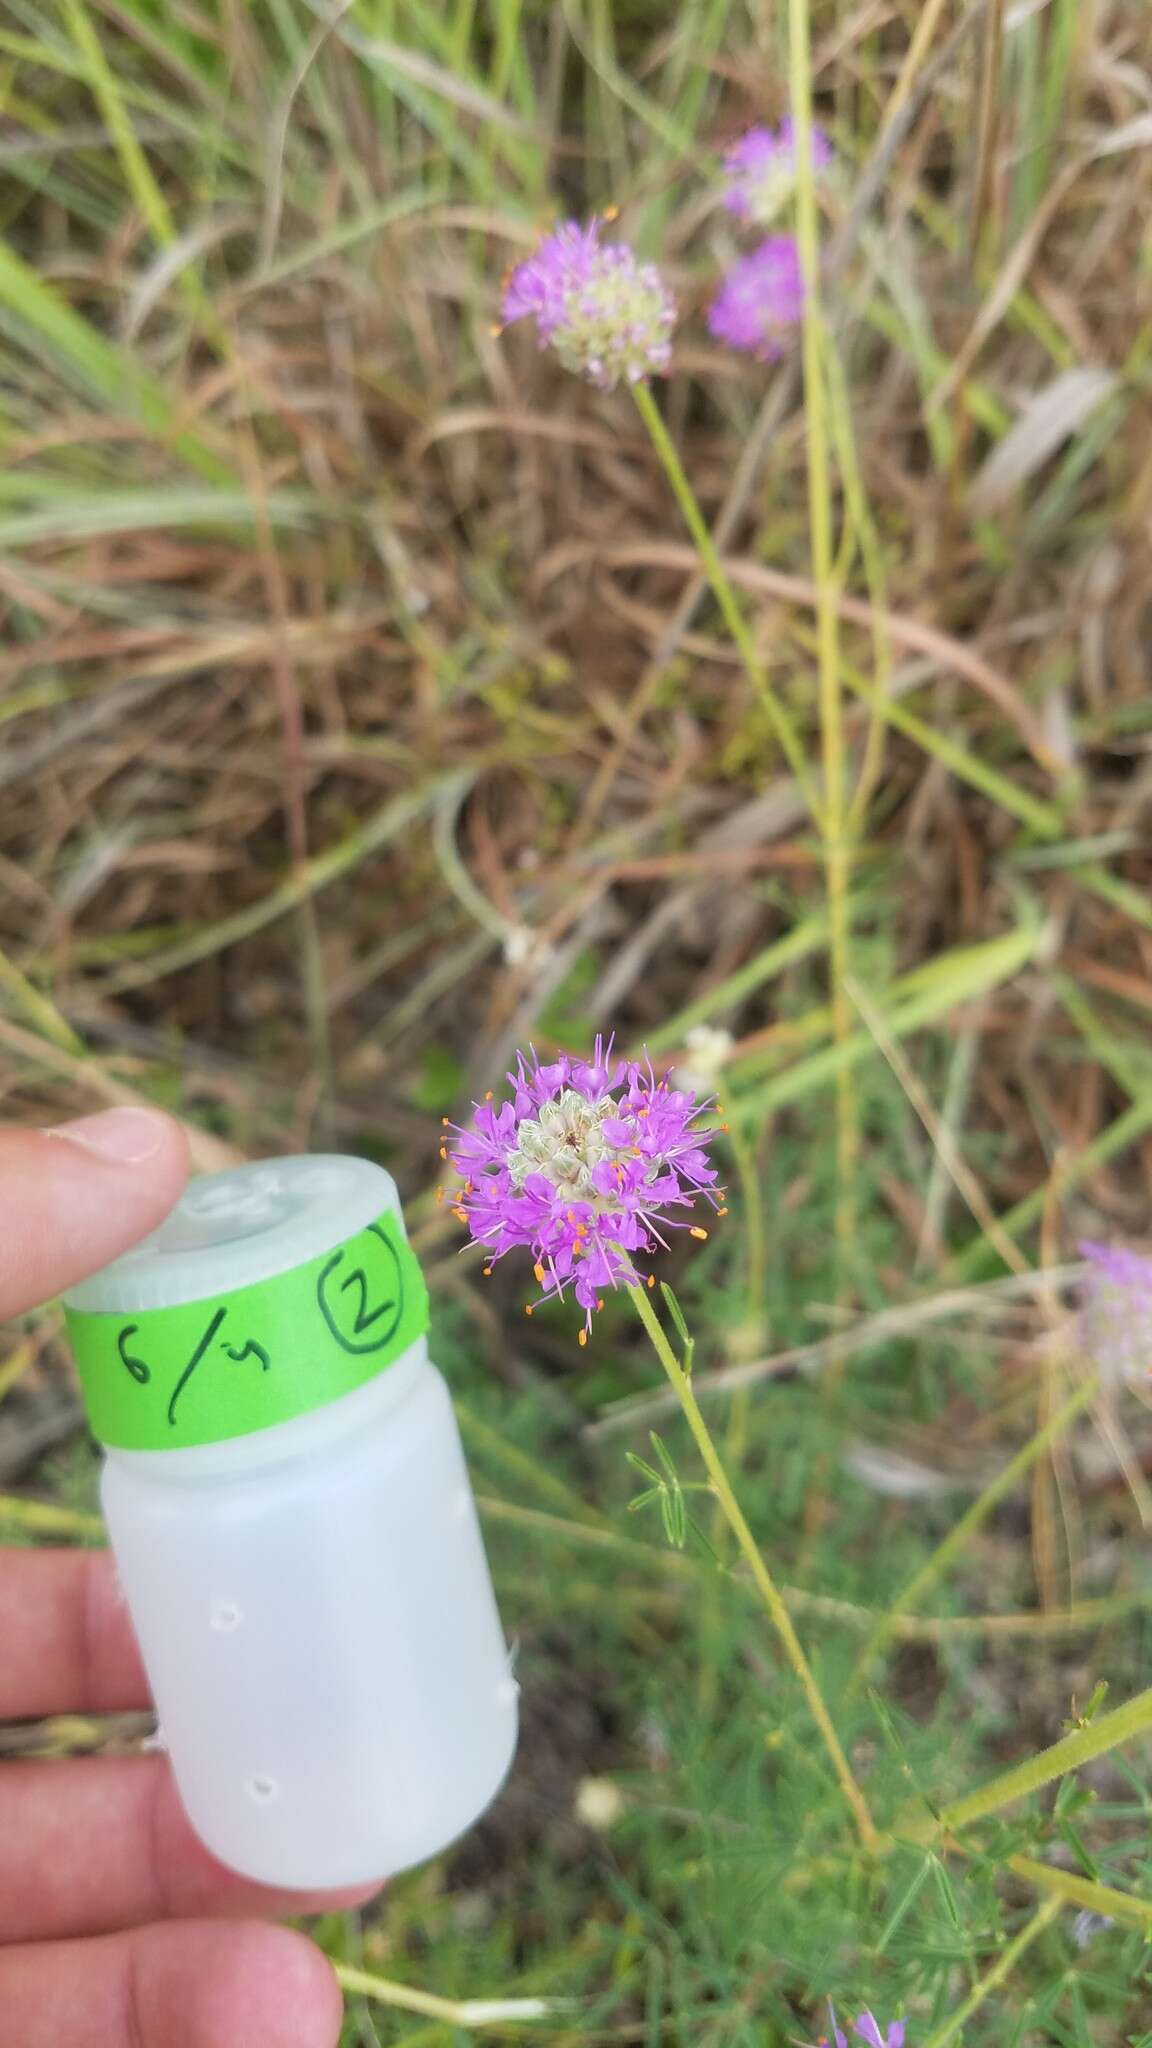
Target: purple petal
760,298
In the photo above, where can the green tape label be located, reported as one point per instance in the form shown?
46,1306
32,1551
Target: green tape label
163,1379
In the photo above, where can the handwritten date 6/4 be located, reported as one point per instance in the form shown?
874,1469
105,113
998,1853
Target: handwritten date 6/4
141,1371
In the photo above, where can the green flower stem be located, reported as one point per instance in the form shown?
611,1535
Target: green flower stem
723,592
765,1584
1102,1733
1084,1892
1005,1962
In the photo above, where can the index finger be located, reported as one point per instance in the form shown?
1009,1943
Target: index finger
66,1642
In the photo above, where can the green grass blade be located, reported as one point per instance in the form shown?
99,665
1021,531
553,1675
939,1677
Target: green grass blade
97,367
78,516
924,997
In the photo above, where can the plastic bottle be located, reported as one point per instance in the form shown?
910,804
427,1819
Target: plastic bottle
294,1527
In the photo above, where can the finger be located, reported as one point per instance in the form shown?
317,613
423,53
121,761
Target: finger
100,1843
192,1985
75,1197
67,1642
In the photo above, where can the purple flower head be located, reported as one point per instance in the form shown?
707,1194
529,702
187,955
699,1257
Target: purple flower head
606,315
578,1167
1116,1312
760,298
761,170
866,2029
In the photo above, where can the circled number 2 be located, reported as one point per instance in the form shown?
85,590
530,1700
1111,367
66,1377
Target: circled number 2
361,1298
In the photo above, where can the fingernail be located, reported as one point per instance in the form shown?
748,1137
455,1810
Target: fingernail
124,1137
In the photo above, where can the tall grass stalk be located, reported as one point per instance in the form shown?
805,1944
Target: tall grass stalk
836,821
722,591
138,174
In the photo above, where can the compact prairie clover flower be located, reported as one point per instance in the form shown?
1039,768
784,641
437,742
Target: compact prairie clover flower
1116,1312
607,315
867,2030
760,298
579,1167
761,170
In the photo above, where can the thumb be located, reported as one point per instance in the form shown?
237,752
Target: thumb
74,1197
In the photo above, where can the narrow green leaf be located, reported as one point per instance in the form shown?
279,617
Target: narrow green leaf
37,314
923,997
77,516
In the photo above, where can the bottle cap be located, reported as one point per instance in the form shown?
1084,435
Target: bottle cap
269,1290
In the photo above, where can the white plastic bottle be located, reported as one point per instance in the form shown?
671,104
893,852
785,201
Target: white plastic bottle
294,1527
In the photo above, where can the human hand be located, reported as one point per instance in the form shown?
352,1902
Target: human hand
105,1892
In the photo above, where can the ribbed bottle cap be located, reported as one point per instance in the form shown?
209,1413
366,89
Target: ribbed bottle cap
269,1290
245,1224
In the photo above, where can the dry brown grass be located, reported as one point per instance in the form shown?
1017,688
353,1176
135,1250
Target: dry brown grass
314,807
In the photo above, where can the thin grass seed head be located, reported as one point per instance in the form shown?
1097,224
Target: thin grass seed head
607,315
586,1165
760,299
760,171
1116,1312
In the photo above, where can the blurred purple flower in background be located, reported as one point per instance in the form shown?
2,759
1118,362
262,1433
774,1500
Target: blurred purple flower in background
1116,1312
760,298
867,2030
578,1167
607,315
760,170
